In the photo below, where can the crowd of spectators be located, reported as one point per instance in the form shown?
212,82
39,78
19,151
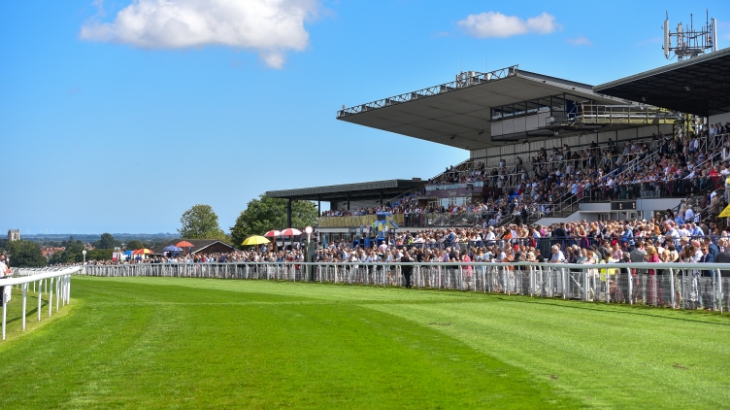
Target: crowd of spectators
608,241
664,166
258,254
689,235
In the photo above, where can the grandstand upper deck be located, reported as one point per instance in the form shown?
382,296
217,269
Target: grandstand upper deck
695,86
482,110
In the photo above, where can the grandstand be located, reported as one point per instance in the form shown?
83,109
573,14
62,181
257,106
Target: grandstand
521,127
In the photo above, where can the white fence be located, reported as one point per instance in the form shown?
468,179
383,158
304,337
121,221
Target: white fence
53,280
677,285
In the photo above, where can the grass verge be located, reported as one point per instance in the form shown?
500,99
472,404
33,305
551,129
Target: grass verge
192,343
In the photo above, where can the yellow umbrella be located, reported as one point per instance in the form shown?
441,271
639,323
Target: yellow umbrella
255,240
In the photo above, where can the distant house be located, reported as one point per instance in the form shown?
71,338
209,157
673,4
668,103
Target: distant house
49,251
200,246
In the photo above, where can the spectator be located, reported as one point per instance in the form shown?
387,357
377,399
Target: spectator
5,272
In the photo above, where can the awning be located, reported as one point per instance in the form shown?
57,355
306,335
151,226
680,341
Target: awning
698,86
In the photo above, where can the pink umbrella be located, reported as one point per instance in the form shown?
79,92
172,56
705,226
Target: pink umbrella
291,232
272,233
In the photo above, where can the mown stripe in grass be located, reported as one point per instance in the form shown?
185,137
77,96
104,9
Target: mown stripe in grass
260,355
610,358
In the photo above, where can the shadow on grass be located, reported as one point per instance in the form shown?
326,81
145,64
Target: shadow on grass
29,314
625,309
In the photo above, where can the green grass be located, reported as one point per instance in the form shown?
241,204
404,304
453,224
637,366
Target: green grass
194,343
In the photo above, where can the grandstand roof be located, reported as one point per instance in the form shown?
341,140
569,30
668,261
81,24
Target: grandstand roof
459,113
203,246
698,86
364,190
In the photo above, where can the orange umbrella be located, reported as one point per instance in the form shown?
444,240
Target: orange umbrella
184,244
144,251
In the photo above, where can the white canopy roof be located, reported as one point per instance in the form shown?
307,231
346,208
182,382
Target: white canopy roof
458,113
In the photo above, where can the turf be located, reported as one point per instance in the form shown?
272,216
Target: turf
194,343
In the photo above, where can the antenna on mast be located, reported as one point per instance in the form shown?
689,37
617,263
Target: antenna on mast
690,43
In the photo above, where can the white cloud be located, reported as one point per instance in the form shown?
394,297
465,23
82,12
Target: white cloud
581,40
269,27
100,12
495,24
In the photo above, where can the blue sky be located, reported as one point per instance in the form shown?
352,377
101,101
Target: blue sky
117,116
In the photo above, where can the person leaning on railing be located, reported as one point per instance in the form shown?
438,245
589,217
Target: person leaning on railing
557,255
5,272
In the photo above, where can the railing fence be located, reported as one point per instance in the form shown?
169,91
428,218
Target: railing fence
677,285
52,280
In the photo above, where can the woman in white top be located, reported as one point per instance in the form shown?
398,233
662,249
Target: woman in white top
4,268
4,273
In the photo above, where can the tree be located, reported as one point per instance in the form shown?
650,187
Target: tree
99,255
134,244
57,258
72,254
73,248
106,242
200,222
264,214
25,254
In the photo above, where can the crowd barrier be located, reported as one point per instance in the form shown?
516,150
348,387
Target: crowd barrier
53,280
676,285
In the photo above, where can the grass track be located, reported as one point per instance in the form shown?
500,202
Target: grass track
192,343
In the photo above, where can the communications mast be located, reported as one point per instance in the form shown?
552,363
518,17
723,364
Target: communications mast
690,43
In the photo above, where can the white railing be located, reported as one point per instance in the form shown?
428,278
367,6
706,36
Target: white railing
56,280
677,285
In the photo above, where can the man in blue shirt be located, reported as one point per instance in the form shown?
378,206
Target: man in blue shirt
678,219
712,248
450,237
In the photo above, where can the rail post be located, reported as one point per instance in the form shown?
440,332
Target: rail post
682,284
25,299
721,297
596,294
461,279
40,298
716,279
631,287
5,311
671,287
50,296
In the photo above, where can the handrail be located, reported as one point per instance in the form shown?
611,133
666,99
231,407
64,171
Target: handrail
595,112
464,80
634,265
61,277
